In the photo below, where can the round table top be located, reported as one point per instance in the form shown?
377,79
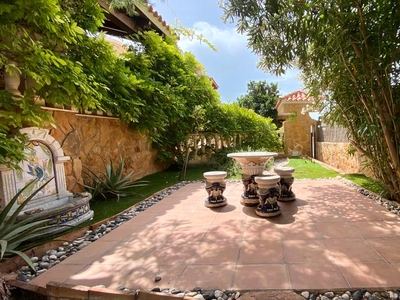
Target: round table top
252,154
215,173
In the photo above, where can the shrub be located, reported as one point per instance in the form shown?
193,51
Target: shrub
220,161
111,183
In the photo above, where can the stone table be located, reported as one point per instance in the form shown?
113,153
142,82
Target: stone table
253,164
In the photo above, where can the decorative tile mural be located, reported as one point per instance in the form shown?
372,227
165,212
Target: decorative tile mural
69,215
37,165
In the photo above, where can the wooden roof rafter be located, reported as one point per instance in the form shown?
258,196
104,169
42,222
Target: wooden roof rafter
119,23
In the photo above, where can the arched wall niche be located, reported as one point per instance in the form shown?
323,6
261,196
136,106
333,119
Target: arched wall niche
45,159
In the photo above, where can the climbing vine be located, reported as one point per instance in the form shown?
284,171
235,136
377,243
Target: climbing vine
154,85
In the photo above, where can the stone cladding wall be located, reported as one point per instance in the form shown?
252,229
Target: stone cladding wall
337,156
297,135
91,140
332,144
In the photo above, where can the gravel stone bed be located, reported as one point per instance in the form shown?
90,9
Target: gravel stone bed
55,256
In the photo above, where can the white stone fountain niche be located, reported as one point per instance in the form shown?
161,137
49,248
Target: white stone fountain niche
44,160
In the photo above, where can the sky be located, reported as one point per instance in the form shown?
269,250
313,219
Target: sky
233,66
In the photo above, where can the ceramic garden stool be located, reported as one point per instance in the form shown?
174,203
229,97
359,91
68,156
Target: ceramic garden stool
215,186
286,174
268,193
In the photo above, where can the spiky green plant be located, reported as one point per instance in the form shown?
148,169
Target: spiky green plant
111,183
14,233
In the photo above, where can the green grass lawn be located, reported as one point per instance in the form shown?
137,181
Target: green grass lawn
305,168
308,169
366,183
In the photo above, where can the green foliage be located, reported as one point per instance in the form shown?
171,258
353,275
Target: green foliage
15,115
11,149
128,5
347,51
173,85
14,233
118,89
111,183
154,86
262,98
56,45
37,41
220,161
257,132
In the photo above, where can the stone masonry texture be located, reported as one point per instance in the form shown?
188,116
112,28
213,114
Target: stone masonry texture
89,141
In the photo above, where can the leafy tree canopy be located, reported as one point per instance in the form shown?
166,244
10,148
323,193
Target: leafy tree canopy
349,52
262,98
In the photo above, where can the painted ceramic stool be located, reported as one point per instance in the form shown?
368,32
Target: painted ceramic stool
215,186
286,174
268,193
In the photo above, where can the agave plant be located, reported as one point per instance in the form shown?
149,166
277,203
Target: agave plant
111,183
14,233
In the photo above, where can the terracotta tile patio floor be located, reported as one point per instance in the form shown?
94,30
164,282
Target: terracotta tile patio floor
331,237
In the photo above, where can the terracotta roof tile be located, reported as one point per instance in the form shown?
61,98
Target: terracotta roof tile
297,96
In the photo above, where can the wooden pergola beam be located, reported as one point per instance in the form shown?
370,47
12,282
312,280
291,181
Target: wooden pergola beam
120,19
120,24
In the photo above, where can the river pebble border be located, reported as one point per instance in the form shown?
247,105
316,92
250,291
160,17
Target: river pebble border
55,256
